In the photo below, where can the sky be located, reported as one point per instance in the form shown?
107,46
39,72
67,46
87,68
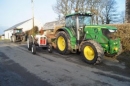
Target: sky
16,11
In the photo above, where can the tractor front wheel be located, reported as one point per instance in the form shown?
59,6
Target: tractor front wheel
11,39
50,48
62,43
92,52
23,38
14,38
29,42
33,50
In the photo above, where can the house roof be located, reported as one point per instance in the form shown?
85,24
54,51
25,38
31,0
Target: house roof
51,25
13,27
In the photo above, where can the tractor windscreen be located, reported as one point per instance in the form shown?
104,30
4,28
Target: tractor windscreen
109,33
84,20
18,30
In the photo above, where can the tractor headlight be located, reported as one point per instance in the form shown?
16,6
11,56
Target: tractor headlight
115,49
112,31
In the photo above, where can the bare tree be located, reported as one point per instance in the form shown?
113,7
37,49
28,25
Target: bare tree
62,7
79,4
109,10
102,9
122,17
96,7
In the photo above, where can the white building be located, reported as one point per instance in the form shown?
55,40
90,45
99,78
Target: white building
25,26
2,37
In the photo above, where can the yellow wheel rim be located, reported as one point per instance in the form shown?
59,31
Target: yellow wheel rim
89,53
61,43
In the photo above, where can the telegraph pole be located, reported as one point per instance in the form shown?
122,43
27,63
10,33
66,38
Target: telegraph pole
32,13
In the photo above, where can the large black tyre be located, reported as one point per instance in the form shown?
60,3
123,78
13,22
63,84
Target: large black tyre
11,39
92,52
29,42
109,55
44,48
50,48
33,50
14,38
62,43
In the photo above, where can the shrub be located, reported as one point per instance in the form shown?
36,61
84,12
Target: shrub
123,33
33,31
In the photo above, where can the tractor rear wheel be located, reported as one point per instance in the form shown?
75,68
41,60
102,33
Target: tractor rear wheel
23,38
62,43
92,52
11,39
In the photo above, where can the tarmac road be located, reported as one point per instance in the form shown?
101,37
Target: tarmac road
18,67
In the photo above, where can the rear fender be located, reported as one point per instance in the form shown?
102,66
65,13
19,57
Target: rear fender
66,30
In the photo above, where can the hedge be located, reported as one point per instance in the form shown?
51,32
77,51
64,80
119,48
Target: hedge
123,33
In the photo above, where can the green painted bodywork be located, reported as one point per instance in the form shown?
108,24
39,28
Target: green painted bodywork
110,46
95,32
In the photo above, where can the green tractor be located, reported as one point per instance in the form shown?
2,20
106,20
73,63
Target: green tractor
92,41
18,35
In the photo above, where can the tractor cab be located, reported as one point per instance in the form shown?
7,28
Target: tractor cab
17,31
76,23
17,35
